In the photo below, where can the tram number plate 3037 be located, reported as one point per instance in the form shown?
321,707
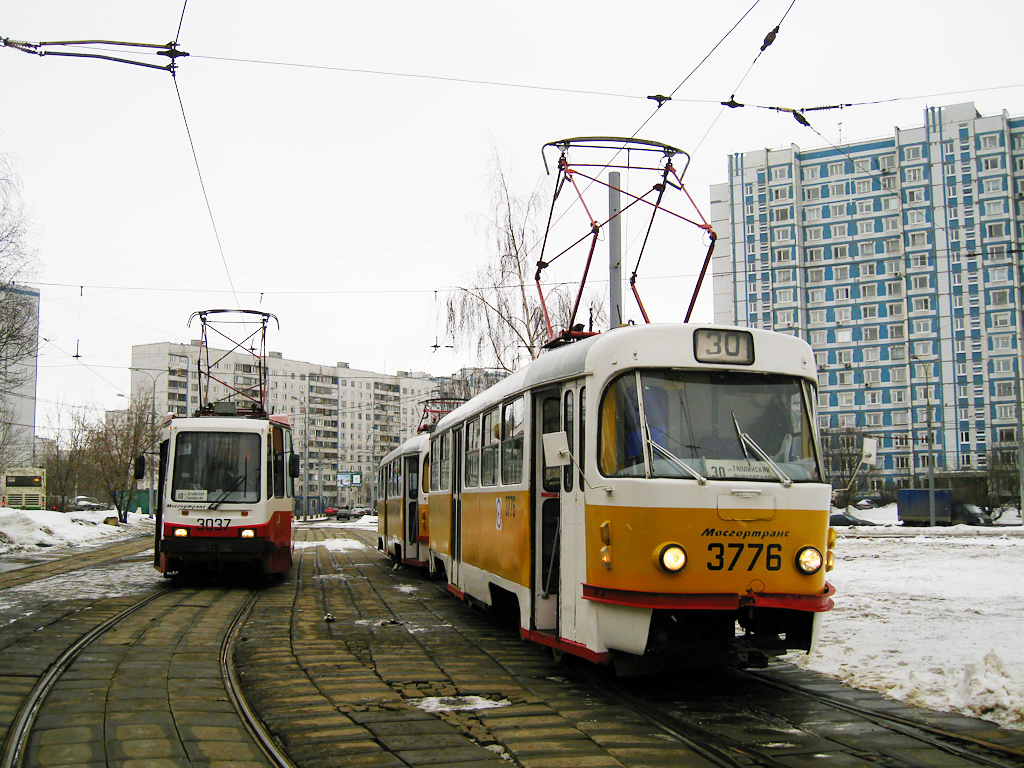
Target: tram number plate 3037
213,523
738,557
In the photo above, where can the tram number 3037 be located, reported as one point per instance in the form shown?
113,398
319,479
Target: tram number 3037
213,523
722,560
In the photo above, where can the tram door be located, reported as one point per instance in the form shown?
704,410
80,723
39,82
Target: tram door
456,557
412,513
547,483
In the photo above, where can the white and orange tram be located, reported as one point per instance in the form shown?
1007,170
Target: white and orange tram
226,495
402,525
651,496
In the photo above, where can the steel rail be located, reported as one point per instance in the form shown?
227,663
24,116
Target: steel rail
21,727
270,748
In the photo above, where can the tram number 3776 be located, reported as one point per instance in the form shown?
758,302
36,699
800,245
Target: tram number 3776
773,556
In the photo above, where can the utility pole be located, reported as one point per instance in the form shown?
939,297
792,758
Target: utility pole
615,317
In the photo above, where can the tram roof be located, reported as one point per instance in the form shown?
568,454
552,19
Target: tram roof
580,358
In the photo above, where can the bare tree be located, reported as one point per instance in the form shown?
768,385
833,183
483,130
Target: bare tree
66,453
115,443
18,322
499,314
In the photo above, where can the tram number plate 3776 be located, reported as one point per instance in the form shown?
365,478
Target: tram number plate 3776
732,557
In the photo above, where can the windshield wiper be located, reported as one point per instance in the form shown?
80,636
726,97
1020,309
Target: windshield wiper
673,459
747,440
228,492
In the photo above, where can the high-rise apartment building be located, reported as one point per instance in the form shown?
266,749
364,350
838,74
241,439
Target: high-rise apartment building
898,259
20,307
344,420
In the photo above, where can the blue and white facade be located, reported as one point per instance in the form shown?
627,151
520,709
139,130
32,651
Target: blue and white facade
898,259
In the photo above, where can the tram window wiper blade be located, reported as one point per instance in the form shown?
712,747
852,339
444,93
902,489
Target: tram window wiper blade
672,458
228,492
747,440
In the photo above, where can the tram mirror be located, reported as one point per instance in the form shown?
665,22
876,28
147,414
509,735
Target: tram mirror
293,465
869,451
556,449
140,467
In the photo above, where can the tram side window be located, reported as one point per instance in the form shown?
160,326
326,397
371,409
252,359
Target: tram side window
473,453
568,424
489,452
425,474
583,422
512,442
412,485
277,461
550,417
445,462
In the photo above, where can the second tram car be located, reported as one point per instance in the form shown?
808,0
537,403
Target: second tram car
402,524
650,496
226,494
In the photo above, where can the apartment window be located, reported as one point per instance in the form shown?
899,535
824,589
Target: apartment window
999,298
816,275
865,207
915,195
814,254
1002,365
784,296
893,289
784,275
871,355
992,185
865,227
869,312
887,162
816,296
812,193
918,282
817,316
922,304
843,315
891,246
812,214
783,254
918,239
869,291
819,337
813,233
990,141
911,153
780,172
840,273
837,190
996,229
845,399
992,163
781,193
890,224
998,275
836,169
782,214
842,294
844,356
1000,342
923,325
869,333
812,172
838,230
913,174
916,217
783,233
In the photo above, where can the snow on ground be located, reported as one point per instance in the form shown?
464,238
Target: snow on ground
932,617
33,530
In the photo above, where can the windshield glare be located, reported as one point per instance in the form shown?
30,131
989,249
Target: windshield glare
222,467
652,421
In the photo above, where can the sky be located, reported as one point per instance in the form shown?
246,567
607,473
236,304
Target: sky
333,163
932,618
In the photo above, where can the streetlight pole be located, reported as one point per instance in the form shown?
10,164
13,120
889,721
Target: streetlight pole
152,427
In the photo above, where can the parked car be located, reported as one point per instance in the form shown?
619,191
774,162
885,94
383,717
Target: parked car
845,518
85,503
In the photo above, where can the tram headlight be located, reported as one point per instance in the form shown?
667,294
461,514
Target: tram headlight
672,557
809,560
181,532
248,533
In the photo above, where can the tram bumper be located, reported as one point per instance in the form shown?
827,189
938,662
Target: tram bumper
194,546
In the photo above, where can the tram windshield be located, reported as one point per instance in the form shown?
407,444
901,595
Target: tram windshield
708,424
216,467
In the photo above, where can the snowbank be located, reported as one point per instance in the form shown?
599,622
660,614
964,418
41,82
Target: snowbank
31,530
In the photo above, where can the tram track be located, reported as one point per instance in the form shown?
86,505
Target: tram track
760,733
136,684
